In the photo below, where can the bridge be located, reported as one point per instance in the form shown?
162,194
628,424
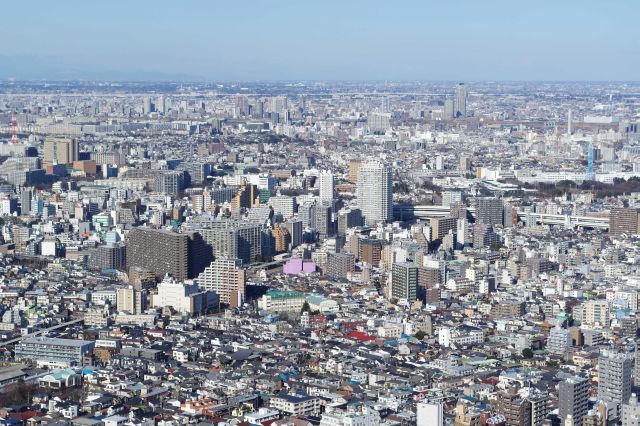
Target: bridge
40,332
409,212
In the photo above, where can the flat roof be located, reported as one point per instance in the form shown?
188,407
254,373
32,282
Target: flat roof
57,341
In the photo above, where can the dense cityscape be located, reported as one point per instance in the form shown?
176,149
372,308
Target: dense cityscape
319,253
319,213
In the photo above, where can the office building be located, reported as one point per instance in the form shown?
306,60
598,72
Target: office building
232,239
404,281
374,192
26,196
349,217
60,151
324,224
559,341
226,278
109,256
623,221
326,184
430,414
451,196
354,167
53,352
441,226
281,238
294,227
614,379
370,251
184,297
489,210
163,252
340,264
631,412
448,110
283,205
131,300
170,183
461,100
573,399
515,408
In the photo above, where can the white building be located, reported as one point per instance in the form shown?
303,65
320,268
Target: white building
430,414
186,298
364,417
326,184
375,192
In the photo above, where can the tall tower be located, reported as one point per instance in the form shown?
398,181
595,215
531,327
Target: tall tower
614,378
569,121
375,192
461,100
326,185
590,162
14,128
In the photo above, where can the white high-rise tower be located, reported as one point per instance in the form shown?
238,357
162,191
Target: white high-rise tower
461,100
326,184
569,121
375,192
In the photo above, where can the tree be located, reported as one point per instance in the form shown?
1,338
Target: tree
305,307
420,335
527,353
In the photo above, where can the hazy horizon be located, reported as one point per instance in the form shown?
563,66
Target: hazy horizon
570,41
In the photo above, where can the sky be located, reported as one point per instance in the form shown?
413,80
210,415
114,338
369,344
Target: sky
248,40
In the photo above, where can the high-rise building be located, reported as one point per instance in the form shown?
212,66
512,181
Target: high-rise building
26,195
109,256
60,150
623,221
379,121
227,279
451,196
465,164
340,264
441,226
283,205
515,408
231,239
375,192
245,197
370,251
449,109
489,210
349,217
430,414
614,379
631,412
163,252
354,167
170,182
404,281
573,399
146,105
281,237
131,300
324,224
326,184
461,100
295,231
184,297
559,341
569,122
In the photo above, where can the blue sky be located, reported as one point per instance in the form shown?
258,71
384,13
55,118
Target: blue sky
321,40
